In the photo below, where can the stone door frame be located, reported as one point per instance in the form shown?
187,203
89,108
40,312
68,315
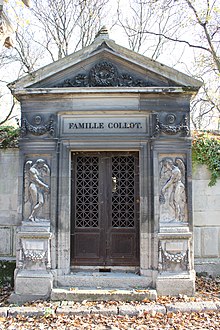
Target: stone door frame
147,245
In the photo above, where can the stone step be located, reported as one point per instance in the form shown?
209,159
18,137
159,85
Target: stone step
98,280
89,294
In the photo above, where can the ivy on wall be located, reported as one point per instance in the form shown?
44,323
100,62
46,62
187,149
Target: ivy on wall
9,137
206,151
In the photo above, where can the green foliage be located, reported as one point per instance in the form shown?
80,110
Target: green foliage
7,273
206,151
9,137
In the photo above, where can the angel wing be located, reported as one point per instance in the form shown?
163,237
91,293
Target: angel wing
27,167
179,162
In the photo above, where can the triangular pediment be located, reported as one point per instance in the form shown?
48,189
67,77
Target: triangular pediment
105,70
105,64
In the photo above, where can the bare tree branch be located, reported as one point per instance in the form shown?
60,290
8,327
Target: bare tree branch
9,114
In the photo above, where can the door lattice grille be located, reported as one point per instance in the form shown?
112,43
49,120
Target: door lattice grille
123,209
105,210
87,192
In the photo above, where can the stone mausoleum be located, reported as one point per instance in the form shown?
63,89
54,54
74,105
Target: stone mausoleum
105,174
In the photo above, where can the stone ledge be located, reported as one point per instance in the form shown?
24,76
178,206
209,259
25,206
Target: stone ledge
78,295
130,310
189,307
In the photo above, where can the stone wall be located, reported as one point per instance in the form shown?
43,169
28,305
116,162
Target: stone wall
206,205
9,164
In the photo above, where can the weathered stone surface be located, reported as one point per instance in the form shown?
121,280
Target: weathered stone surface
210,266
141,309
201,218
117,280
210,242
190,307
201,172
36,283
111,310
68,310
128,310
5,241
25,311
151,309
58,294
197,241
174,284
209,306
9,169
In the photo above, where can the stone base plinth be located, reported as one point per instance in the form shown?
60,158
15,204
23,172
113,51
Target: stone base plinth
175,284
32,285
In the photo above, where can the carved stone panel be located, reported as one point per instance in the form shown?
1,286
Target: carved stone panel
170,126
36,190
34,248
105,74
172,190
174,256
38,127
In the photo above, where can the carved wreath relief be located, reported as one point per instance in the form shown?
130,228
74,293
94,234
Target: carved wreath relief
34,252
104,74
172,197
174,261
36,189
171,128
39,128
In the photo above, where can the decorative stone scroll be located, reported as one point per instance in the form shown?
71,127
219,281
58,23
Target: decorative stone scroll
173,206
105,74
182,128
38,129
36,188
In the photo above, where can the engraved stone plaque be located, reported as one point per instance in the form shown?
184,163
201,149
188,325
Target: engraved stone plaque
72,125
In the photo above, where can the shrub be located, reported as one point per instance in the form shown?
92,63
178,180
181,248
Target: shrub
206,151
9,137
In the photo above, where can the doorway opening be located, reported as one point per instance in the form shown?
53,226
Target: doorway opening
105,209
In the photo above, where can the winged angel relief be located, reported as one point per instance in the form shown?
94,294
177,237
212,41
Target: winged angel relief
36,188
173,191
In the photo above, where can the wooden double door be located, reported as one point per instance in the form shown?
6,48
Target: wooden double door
105,209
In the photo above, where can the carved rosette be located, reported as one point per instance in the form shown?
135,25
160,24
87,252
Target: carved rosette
38,129
171,129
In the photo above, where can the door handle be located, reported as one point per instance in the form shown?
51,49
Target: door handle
114,184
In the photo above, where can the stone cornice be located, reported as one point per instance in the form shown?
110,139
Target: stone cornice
102,90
